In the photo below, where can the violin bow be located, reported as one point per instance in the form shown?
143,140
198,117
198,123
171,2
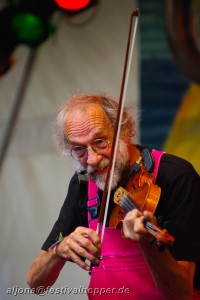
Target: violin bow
109,177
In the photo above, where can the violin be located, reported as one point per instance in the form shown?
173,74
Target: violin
142,194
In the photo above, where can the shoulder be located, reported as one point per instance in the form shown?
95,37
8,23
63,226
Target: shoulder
178,181
77,183
74,180
77,188
172,166
179,205
176,161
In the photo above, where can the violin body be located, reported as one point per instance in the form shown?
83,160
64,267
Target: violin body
145,193
142,194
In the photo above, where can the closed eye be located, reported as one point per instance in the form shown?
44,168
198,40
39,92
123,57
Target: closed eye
100,143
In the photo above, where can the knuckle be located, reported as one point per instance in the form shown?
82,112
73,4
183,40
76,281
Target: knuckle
78,229
86,243
91,231
76,259
81,252
66,242
71,236
129,215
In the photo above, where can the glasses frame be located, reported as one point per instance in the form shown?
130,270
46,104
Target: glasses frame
92,146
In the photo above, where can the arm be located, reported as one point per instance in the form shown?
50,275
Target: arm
44,270
82,243
173,278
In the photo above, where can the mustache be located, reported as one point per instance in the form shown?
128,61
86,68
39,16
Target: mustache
103,164
89,169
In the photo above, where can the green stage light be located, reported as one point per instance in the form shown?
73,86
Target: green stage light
29,28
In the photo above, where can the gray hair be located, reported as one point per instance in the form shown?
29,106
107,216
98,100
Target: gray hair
108,104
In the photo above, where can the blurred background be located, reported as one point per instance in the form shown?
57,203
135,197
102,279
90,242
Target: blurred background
49,51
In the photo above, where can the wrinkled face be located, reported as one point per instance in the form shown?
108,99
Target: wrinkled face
90,127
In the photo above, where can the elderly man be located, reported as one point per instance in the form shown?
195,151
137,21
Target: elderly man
85,128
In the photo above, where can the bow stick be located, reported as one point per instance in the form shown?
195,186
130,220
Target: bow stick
109,177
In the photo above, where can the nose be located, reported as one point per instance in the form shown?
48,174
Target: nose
93,158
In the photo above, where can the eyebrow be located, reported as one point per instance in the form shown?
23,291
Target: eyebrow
98,134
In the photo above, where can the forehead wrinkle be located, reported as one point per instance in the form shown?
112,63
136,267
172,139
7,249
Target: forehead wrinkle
91,122
83,131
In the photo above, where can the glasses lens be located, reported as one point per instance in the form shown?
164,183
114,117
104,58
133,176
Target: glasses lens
100,144
78,152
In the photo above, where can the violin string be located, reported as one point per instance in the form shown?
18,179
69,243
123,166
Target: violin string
149,226
128,205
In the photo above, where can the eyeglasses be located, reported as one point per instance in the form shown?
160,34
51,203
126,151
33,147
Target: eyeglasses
81,152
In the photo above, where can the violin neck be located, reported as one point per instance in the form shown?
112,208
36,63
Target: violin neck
127,205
